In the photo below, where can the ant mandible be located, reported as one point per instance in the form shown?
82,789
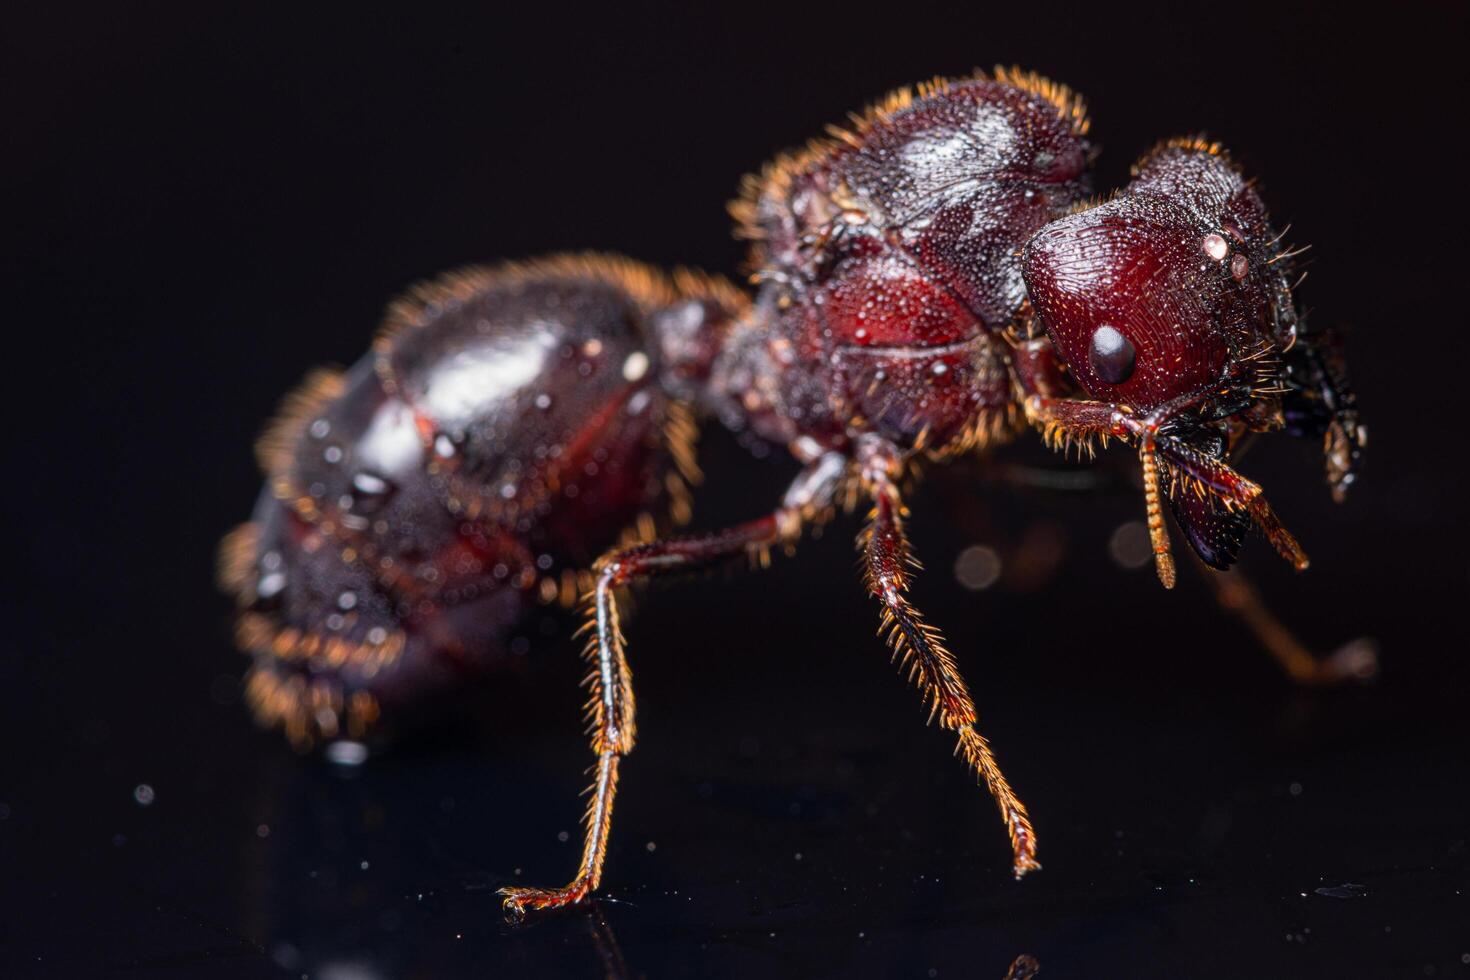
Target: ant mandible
930,280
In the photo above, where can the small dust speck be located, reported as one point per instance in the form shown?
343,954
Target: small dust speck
143,794
1129,545
364,865
798,855
263,831
1295,789
977,568
563,836
650,847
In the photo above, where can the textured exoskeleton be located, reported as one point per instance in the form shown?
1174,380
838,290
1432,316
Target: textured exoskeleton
929,280
509,425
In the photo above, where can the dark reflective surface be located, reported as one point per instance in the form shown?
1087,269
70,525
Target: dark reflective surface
209,205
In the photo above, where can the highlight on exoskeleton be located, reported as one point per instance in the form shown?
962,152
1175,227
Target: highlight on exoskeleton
931,279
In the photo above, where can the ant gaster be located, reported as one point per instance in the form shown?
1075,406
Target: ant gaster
930,280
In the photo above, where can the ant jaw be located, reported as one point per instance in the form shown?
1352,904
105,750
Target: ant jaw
1281,539
1213,504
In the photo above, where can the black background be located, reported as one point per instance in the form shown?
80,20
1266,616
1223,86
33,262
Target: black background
200,204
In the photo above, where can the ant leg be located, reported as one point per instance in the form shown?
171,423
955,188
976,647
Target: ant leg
1356,660
1164,457
915,643
1064,422
610,700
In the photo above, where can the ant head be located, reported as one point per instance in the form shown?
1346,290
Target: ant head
1167,292
1171,301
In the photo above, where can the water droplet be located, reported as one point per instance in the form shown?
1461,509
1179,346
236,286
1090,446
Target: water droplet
269,585
636,366
368,483
347,753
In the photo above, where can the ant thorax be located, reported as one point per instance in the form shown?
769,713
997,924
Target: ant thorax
886,261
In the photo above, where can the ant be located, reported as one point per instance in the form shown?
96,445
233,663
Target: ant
930,280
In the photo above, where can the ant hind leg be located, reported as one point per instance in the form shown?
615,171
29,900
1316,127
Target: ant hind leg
609,682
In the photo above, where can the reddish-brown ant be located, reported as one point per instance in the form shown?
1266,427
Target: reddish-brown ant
930,281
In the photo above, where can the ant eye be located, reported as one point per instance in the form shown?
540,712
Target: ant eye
1111,356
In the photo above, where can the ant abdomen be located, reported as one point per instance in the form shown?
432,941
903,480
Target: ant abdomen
508,427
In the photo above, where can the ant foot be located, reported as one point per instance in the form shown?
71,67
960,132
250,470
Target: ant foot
519,901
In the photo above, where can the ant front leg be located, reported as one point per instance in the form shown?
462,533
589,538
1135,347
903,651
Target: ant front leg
1065,422
887,560
1356,660
1062,420
610,701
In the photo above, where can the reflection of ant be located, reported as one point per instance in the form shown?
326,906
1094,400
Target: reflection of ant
606,944
931,280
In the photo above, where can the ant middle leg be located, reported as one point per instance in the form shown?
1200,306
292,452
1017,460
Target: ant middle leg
920,646
610,688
